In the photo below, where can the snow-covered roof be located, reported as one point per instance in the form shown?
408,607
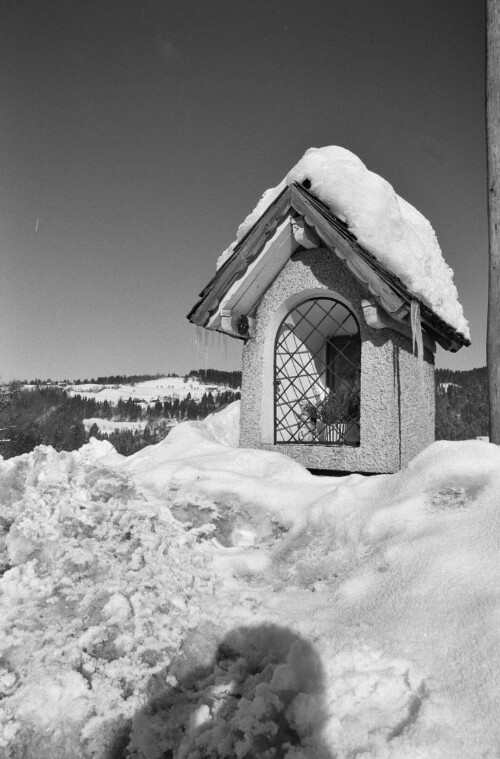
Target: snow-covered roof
383,223
296,219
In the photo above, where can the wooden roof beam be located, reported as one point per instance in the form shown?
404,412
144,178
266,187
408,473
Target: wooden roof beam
305,236
377,318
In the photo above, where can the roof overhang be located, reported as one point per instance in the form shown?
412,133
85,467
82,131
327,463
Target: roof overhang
295,220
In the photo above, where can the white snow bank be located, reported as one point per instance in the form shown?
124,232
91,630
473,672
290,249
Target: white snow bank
94,602
224,425
198,599
384,223
107,426
193,456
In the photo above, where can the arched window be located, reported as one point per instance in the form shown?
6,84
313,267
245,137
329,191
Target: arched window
317,371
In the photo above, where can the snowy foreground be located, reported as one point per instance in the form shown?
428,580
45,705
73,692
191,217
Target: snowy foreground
197,600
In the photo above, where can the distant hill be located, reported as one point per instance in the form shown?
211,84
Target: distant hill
206,376
217,377
463,377
131,411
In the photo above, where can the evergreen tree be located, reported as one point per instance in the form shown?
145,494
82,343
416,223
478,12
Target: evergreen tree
106,410
58,437
94,431
76,437
26,439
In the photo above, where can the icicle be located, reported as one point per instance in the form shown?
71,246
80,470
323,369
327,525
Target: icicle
198,339
413,319
416,333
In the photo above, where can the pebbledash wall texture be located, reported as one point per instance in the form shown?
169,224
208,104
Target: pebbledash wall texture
397,399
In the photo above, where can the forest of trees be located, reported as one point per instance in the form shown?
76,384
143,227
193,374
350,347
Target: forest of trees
113,379
47,415
217,377
461,404
207,376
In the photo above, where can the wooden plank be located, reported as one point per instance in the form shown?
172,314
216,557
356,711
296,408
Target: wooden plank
261,275
493,166
304,235
246,291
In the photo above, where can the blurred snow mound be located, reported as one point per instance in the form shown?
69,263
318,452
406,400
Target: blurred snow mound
398,235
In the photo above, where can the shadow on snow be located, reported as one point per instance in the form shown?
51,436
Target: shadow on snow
260,695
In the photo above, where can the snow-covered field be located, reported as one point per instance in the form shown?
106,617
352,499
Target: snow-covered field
106,426
198,600
146,392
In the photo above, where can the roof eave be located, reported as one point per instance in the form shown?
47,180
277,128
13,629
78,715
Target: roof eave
390,292
246,250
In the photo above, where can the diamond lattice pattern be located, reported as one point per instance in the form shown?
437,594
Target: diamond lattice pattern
317,375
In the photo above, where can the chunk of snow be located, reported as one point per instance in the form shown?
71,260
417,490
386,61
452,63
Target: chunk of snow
117,609
52,707
398,235
96,449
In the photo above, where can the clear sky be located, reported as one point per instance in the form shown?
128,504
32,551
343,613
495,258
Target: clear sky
136,136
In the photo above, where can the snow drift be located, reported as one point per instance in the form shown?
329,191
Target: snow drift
200,600
398,235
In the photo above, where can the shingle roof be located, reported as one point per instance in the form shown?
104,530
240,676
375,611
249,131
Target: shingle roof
389,291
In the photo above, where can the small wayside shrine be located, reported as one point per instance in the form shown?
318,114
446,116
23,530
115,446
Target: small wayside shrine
339,290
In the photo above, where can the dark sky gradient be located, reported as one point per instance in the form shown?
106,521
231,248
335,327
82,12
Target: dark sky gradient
140,134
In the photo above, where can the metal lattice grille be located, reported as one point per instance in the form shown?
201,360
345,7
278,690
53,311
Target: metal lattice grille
317,375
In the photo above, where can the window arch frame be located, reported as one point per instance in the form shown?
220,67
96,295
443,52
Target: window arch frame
332,433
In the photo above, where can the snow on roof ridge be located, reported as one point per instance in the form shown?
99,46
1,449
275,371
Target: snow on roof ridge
389,227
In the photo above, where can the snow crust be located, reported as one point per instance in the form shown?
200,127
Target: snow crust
197,599
398,235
